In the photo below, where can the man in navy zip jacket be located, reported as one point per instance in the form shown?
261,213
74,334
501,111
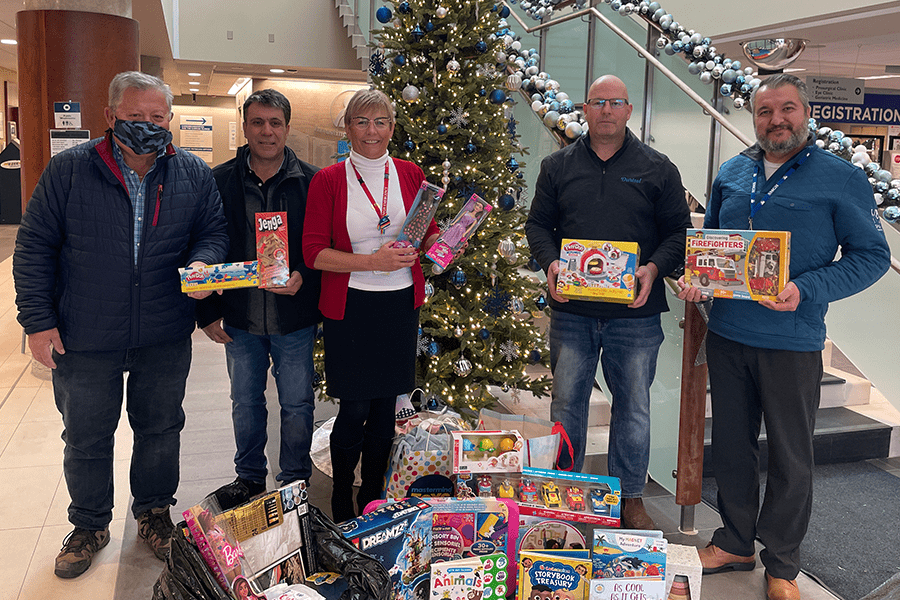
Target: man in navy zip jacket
765,358
98,292
609,186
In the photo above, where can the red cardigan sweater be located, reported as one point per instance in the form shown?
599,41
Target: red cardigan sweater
326,227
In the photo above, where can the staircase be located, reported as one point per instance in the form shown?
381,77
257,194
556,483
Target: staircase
350,22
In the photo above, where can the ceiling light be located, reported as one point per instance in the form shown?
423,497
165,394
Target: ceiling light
276,70
9,42
239,83
193,74
880,77
198,83
793,70
195,89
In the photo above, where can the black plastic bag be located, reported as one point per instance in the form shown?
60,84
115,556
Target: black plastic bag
367,579
186,576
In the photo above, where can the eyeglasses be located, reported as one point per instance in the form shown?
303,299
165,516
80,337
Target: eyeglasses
614,103
362,123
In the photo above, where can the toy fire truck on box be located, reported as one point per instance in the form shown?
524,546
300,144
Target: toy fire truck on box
741,264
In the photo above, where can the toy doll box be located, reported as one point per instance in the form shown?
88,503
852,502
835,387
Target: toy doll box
488,451
398,534
598,270
740,264
569,496
222,276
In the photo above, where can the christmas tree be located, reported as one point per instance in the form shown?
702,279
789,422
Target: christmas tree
443,64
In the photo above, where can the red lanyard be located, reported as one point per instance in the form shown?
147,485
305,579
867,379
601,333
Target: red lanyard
383,219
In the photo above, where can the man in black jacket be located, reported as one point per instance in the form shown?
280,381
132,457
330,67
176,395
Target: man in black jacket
274,326
609,186
97,288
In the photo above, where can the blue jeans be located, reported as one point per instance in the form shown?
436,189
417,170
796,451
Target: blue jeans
629,350
247,357
88,388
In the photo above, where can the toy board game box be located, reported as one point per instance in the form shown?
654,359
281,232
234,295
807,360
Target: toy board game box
222,276
398,535
740,264
474,527
259,544
598,270
487,451
481,577
557,574
272,249
461,228
420,215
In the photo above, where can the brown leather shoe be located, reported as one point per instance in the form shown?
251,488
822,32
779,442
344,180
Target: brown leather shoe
634,515
782,589
716,560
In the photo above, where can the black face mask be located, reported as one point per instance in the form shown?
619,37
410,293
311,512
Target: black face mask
142,137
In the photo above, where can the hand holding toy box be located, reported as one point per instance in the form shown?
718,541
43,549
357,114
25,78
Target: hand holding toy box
598,270
420,216
222,276
461,228
272,249
739,264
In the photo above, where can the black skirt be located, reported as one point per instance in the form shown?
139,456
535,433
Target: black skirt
371,352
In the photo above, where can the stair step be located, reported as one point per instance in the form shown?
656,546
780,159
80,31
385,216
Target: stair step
841,435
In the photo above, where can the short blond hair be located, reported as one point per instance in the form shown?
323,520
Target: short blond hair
365,99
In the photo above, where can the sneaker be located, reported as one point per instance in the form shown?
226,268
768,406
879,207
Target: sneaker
237,492
78,550
155,527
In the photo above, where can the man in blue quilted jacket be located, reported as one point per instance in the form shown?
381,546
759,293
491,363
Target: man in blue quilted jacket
765,358
98,292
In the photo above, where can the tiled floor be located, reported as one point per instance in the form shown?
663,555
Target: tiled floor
33,496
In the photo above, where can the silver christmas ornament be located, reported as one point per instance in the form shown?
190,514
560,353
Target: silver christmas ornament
410,93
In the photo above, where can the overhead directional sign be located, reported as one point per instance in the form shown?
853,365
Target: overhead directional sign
836,89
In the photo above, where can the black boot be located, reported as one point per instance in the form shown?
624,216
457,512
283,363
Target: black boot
375,459
343,465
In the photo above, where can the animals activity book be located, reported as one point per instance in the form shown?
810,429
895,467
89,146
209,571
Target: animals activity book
473,578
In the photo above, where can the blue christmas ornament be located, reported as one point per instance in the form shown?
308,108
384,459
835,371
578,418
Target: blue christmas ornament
498,96
541,302
383,14
892,214
554,106
481,46
458,279
836,136
399,60
506,202
534,265
471,148
512,164
537,97
484,333
433,348
421,331
550,95
442,129
504,12
566,106
535,356
429,26
482,92
725,90
417,33
409,145
404,8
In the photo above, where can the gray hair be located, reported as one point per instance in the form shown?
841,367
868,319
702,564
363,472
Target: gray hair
367,98
780,80
138,81
271,98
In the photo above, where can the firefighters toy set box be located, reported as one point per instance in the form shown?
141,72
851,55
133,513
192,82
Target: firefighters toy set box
598,270
741,264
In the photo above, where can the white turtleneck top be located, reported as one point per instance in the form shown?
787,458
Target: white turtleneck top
362,220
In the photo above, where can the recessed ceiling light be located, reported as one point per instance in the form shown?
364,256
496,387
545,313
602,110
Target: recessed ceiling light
276,70
194,82
195,89
9,42
193,74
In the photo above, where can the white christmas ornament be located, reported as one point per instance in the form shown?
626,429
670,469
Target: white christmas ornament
410,93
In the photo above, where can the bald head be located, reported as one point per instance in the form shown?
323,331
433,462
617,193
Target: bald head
608,86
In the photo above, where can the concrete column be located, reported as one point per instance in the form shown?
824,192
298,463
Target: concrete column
69,51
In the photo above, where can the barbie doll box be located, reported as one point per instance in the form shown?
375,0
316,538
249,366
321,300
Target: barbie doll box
740,264
461,228
598,270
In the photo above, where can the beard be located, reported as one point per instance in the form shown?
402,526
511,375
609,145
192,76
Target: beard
797,139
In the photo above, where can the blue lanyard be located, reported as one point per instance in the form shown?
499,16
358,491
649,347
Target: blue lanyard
754,206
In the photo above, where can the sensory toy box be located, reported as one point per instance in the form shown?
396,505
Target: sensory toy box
740,264
598,270
398,535
487,451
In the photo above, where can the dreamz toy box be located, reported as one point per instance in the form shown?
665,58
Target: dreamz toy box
223,276
398,534
740,264
598,270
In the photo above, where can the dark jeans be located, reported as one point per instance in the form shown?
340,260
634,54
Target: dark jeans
783,387
88,387
247,357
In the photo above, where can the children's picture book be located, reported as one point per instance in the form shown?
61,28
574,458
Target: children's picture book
618,553
554,574
461,228
419,217
461,579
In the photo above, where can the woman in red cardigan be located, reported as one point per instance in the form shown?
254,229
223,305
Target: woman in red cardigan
371,294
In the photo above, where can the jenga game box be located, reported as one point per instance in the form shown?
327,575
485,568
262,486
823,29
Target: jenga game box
272,249
740,264
598,270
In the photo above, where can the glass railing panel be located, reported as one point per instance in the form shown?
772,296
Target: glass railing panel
566,57
537,139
